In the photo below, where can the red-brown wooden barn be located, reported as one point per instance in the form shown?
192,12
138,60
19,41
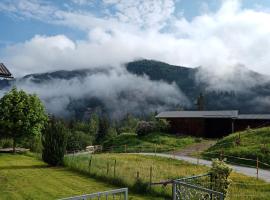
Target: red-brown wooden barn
212,124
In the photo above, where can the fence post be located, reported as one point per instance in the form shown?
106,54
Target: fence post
174,190
125,148
114,168
107,168
173,153
198,156
155,149
90,164
126,194
151,176
221,154
257,166
138,175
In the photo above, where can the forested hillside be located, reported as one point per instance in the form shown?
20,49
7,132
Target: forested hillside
252,98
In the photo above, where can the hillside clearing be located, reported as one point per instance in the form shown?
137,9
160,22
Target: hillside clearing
244,148
160,142
24,177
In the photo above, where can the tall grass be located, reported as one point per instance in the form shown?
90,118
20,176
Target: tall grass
133,170
128,165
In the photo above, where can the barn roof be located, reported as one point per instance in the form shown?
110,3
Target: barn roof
4,72
199,114
233,114
254,116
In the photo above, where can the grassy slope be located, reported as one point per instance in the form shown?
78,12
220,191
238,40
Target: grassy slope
163,142
251,146
24,177
243,187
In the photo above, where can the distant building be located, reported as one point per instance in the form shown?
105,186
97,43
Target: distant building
4,72
212,124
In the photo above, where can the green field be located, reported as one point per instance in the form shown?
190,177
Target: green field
158,142
127,166
252,144
24,177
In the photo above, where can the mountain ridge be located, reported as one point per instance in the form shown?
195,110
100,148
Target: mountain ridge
253,98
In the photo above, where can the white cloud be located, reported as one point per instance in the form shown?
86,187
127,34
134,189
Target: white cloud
83,2
218,41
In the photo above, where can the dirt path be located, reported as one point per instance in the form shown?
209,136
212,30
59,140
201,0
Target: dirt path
195,148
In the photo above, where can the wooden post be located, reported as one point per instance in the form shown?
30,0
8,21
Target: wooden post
90,164
114,168
257,167
155,149
198,156
151,176
232,125
138,175
221,154
125,148
107,168
112,149
173,153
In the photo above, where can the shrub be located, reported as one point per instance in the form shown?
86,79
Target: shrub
54,141
162,125
220,172
144,128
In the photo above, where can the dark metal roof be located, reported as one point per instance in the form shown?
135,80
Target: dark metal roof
233,114
4,72
254,116
199,114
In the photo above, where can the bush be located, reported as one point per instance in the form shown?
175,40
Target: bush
54,140
220,172
144,128
162,125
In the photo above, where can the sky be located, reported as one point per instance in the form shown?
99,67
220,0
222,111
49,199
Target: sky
47,35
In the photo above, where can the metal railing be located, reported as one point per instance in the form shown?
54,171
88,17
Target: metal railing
195,187
112,194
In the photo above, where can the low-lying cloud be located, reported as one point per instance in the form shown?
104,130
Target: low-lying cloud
119,91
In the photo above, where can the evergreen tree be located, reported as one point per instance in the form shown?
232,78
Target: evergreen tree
102,129
54,142
93,124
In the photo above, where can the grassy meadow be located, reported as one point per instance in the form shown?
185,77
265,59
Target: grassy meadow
127,166
253,143
24,177
159,142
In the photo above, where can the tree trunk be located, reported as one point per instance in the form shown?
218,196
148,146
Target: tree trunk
14,146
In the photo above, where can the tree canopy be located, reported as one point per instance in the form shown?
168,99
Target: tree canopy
21,115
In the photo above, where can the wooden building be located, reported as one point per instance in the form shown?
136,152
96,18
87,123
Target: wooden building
4,72
212,124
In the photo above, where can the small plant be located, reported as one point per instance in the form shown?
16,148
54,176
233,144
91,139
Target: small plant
220,173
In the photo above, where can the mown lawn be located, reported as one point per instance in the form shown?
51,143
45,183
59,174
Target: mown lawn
127,166
25,177
253,143
159,142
